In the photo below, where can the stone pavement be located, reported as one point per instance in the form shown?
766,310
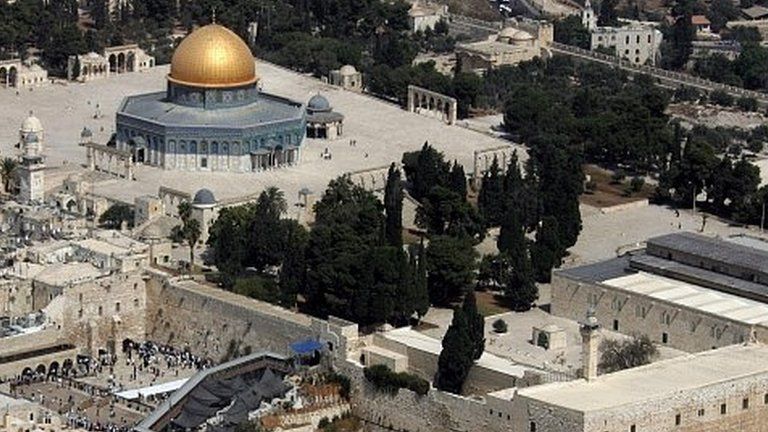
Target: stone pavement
383,131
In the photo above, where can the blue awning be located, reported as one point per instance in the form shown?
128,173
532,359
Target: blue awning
306,347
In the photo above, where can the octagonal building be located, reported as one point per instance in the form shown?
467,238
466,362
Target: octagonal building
212,116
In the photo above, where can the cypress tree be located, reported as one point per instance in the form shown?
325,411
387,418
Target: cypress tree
512,233
393,204
455,359
520,290
546,252
490,201
457,180
420,295
476,324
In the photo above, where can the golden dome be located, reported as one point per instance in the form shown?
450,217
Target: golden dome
213,57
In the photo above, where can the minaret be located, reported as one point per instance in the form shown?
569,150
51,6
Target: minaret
588,17
590,340
32,168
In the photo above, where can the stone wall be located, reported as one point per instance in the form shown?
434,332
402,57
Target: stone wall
101,313
632,313
480,380
216,323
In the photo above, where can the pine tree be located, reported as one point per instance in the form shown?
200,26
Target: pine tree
476,324
546,252
393,204
455,359
490,201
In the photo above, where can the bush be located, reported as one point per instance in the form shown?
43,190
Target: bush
755,146
500,326
618,176
719,97
390,382
689,94
636,184
342,381
747,104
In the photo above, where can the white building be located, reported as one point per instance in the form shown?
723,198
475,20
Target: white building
636,42
426,15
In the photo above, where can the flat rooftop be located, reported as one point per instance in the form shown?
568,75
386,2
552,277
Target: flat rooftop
419,341
657,381
694,297
726,252
68,273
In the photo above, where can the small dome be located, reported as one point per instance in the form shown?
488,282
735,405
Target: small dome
86,133
31,124
513,34
319,103
347,70
204,197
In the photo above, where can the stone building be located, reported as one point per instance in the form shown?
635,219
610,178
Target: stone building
322,121
636,42
425,14
685,290
347,77
22,74
212,116
519,42
720,390
113,60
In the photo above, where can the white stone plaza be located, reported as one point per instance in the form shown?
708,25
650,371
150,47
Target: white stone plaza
381,132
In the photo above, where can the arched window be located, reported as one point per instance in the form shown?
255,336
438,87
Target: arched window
215,147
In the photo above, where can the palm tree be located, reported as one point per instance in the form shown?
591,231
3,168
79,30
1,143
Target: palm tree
190,231
8,168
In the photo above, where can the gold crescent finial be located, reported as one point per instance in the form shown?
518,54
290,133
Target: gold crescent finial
213,14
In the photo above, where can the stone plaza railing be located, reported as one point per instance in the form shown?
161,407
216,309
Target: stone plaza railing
664,75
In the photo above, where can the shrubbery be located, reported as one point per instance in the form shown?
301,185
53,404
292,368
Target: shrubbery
390,382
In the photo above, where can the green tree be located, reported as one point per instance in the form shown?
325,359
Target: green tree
9,171
456,357
115,215
419,297
393,205
451,266
608,16
616,355
476,324
190,230
490,201
457,180
424,170
546,252
571,31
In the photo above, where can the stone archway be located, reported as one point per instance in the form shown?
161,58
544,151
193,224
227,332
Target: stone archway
53,369
121,63
113,63
40,369
3,77
12,76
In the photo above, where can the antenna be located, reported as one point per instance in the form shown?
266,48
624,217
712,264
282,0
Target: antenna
213,15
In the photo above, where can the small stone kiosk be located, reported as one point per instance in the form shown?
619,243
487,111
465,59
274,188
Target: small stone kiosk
322,121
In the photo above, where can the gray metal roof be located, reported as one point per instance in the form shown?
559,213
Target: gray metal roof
155,108
600,271
204,196
725,252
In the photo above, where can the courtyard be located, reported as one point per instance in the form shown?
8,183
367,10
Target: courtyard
382,132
